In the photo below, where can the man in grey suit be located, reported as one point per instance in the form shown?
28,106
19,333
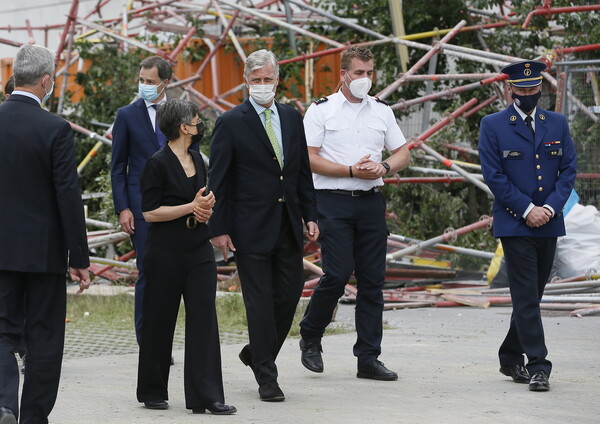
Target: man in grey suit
42,231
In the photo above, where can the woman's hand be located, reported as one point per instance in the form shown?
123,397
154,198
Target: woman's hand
202,205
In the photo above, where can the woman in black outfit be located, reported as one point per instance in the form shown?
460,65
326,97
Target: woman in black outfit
179,261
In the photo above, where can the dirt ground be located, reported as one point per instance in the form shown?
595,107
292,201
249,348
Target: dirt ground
446,360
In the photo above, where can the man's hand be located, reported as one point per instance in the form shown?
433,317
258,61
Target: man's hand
223,243
538,216
312,231
127,222
366,169
83,276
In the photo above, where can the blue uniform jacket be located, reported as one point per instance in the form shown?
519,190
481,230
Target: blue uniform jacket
133,142
520,170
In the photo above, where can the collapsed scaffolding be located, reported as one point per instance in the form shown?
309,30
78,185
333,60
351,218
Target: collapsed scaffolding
224,19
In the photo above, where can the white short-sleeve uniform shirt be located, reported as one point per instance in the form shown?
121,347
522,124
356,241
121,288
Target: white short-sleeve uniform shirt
345,132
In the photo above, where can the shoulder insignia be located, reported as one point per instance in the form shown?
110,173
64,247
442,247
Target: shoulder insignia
321,100
542,117
377,99
513,118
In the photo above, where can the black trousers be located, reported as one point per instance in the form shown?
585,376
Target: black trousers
271,286
33,303
528,264
175,267
353,238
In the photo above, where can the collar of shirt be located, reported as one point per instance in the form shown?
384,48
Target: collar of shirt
152,111
28,94
260,109
523,115
150,104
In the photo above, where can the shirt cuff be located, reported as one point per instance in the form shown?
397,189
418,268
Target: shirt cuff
550,208
529,208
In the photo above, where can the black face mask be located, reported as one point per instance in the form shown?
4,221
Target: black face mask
197,137
527,103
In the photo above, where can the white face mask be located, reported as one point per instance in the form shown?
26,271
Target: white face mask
360,87
262,93
48,93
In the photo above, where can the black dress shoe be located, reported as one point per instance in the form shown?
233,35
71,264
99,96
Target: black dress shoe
216,408
7,416
539,382
246,356
270,392
517,372
156,404
376,370
311,355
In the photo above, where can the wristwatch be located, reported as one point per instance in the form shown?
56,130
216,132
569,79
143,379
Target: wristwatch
386,166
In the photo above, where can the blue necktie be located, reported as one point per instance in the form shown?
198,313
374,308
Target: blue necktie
160,137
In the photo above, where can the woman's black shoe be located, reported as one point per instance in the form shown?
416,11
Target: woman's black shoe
216,408
156,404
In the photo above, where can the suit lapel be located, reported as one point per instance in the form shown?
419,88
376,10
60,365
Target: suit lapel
255,124
540,126
286,125
144,117
519,126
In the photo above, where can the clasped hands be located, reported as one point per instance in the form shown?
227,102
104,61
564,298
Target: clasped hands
202,205
538,216
366,169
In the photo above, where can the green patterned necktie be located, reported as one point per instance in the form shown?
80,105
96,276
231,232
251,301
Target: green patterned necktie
272,136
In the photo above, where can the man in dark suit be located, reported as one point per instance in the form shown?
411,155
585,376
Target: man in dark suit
528,161
260,175
42,230
135,138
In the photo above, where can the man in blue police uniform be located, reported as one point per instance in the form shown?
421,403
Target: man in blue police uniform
346,133
528,161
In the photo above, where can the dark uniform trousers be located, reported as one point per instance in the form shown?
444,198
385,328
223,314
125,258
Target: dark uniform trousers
527,257
272,283
43,320
353,236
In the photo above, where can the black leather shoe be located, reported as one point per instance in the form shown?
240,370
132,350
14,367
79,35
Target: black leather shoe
156,404
270,392
539,382
376,370
246,356
517,372
7,416
216,408
311,355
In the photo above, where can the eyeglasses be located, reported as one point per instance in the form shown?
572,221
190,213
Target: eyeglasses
199,125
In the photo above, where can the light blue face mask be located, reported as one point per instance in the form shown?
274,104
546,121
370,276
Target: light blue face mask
48,94
149,92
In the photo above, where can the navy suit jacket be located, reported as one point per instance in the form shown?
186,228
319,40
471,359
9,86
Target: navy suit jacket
42,225
133,142
250,188
520,170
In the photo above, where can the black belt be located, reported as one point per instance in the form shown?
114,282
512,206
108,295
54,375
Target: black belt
353,193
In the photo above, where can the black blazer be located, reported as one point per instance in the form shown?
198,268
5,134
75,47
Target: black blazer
164,183
249,186
41,217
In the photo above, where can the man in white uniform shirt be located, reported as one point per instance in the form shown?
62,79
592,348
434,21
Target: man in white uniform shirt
346,133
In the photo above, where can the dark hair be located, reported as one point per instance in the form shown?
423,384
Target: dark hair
171,114
164,69
359,52
9,87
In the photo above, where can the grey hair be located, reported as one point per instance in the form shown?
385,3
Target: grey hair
260,59
32,62
172,114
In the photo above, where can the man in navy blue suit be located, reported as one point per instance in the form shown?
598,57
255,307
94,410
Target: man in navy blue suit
528,161
135,138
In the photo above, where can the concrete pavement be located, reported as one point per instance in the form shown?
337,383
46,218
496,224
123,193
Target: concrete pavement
446,359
